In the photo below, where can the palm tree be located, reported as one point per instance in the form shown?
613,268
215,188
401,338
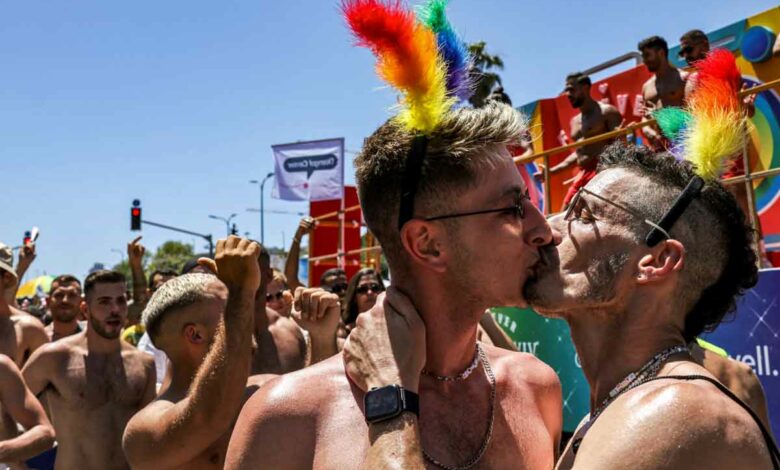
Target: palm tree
484,80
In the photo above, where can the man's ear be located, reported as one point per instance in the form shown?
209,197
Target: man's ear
195,333
423,244
84,309
665,259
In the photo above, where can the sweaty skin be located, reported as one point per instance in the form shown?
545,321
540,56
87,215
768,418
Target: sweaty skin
190,423
91,397
736,376
323,408
332,432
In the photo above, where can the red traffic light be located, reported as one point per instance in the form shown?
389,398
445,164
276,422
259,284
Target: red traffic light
135,218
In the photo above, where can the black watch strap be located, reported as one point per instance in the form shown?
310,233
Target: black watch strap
410,402
388,402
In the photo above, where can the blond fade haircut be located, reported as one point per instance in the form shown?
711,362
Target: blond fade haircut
467,141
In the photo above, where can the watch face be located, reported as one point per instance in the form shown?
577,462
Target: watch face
382,403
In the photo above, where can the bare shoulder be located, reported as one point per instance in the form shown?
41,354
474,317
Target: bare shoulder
130,352
608,109
522,369
288,405
281,396
27,322
8,368
677,424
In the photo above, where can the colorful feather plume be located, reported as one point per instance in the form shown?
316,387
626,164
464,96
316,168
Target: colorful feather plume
407,58
454,50
713,126
718,123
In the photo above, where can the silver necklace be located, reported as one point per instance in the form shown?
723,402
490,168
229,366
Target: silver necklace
492,379
632,380
463,375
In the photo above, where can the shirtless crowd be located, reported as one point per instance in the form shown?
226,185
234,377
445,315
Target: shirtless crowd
231,364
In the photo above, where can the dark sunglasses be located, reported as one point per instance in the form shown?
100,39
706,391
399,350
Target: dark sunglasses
337,288
374,287
685,50
277,296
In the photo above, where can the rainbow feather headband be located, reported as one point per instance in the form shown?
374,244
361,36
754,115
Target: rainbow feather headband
419,55
710,131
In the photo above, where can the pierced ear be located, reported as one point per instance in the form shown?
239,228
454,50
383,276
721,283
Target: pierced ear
422,242
665,259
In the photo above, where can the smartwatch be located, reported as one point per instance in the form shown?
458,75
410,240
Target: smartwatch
383,403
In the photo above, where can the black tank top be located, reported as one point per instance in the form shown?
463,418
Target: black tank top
774,453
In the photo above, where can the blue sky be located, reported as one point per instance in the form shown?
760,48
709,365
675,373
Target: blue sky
177,103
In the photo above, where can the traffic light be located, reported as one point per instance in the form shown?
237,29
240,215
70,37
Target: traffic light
234,230
135,218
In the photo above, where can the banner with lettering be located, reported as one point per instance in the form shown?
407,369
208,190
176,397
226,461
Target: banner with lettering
309,171
752,336
549,340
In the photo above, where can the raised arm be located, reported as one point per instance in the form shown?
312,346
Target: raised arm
387,347
318,311
306,226
24,408
27,255
217,392
135,258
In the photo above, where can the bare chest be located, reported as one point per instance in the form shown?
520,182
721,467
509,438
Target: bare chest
666,92
452,434
90,383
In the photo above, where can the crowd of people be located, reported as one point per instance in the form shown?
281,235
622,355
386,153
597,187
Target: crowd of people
229,363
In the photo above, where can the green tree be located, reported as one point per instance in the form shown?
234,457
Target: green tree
171,256
483,77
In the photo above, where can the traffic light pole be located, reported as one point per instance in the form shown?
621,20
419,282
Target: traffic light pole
206,237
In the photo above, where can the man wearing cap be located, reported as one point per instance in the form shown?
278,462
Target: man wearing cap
20,334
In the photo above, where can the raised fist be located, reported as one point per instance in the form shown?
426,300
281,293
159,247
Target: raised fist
306,225
135,252
236,263
316,311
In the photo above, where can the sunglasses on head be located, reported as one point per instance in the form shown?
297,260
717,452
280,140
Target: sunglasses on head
374,287
277,296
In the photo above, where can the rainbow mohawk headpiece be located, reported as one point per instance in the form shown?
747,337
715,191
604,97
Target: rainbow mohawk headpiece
709,132
454,50
713,126
424,59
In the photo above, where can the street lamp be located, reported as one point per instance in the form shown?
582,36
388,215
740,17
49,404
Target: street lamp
227,221
262,205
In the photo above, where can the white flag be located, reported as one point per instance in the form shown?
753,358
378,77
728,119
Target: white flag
309,171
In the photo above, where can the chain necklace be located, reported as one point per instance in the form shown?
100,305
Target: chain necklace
489,433
632,380
463,375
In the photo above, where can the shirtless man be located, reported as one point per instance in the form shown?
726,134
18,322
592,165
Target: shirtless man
204,325
479,404
64,302
665,88
93,382
595,118
625,302
23,408
20,333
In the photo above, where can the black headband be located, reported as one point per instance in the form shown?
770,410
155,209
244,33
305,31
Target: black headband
691,191
411,179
